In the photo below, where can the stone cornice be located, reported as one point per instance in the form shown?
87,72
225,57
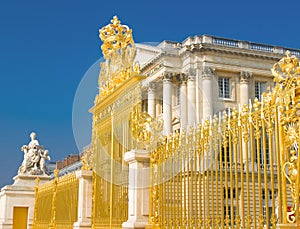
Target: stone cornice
145,68
208,43
232,51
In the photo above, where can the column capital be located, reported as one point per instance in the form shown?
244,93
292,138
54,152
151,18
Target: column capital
191,74
207,72
152,86
168,76
245,76
182,78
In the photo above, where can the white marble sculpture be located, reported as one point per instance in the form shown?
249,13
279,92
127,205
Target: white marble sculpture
35,156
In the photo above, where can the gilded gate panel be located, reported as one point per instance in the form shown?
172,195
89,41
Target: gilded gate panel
119,99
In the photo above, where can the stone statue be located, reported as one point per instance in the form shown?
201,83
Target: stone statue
35,156
44,157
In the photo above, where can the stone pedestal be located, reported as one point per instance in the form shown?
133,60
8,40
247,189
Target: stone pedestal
20,194
138,190
84,199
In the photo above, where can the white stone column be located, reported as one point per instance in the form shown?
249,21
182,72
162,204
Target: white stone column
244,99
151,99
167,103
138,188
244,87
84,199
183,100
207,76
191,97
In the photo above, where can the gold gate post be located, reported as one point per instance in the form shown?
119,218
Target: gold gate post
53,206
286,74
138,189
37,181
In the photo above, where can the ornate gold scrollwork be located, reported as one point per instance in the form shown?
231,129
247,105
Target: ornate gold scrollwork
144,128
119,51
286,74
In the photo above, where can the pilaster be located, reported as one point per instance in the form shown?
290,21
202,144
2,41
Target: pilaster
84,199
138,188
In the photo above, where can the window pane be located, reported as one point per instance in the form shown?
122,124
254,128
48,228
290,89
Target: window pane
224,87
260,87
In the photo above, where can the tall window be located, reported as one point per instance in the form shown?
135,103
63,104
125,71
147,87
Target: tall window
224,87
260,87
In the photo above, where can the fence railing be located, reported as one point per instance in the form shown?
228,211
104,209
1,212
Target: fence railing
237,170
56,203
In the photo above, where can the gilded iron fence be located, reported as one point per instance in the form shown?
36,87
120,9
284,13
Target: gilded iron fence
110,204
42,205
236,170
56,203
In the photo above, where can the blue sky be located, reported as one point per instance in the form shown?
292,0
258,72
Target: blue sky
46,47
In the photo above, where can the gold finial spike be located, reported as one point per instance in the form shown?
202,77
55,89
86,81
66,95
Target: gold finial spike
84,164
115,21
115,36
37,181
56,172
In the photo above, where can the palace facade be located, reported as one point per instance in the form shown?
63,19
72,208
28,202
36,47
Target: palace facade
192,80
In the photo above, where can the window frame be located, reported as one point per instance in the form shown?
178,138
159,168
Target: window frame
222,95
259,88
